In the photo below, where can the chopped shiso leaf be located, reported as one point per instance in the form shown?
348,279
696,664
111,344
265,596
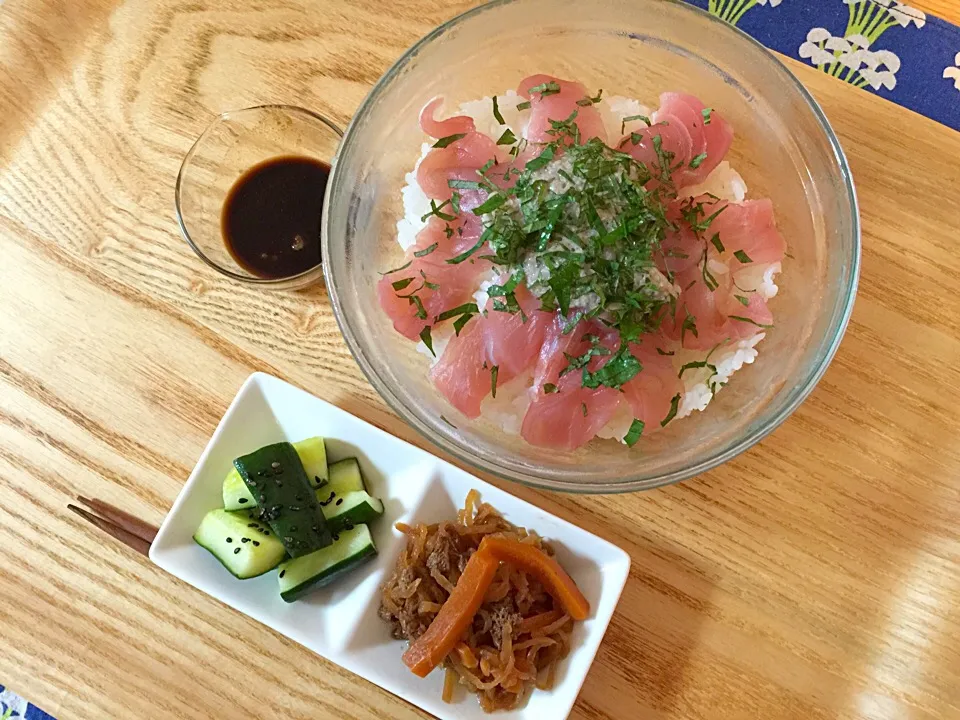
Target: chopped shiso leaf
550,388
494,372
698,160
674,406
630,118
742,257
634,433
448,140
706,113
524,105
748,320
544,89
496,112
508,138
426,251
427,339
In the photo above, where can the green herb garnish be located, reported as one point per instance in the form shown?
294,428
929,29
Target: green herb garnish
588,101
743,301
437,211
706,113
674,406
496,112
748,320
716,242
524,105
634,433
426,251
470,308
494,372
617,372
549,388
698,161
544,89
396,270
401,284
630,118
490,204
427,340
461,321
742,257
448,140
508,138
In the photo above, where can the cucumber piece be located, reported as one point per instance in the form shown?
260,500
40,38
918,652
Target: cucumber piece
275,477
301,575
236,495
240,543
350,510
345,476
313,455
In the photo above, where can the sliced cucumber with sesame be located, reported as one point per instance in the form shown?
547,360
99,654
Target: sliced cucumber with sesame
304,574
244,546
345,477
313,457
349,510
275,477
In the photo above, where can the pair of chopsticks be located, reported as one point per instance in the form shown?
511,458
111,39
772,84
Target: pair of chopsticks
132,532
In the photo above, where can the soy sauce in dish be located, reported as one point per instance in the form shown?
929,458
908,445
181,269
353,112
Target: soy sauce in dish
271,218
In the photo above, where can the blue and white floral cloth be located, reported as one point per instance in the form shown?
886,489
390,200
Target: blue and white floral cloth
14,707
883,46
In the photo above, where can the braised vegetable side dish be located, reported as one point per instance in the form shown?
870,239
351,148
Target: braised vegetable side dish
487,601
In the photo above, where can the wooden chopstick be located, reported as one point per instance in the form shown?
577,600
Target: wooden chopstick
131,531
121,518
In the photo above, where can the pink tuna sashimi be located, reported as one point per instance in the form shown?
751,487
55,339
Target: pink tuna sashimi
559,106
498,339
680,249
706,318
711,139
680,124
573,415
443,128
749,226
651,392
459,160
454,283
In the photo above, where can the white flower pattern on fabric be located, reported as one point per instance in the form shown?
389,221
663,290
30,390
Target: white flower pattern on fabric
953,72
11,705
849,57
733,10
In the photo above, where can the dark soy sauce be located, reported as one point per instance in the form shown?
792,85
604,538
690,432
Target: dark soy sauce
271,217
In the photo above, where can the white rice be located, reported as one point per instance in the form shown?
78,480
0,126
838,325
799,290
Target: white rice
513,398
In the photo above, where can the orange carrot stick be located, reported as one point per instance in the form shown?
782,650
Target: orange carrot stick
543,567
455,616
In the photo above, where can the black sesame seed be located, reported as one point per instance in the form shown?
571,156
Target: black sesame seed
317,478
299,497
244,539
256,543
339,501
242,501
229,539
236,551
336,537
282,573
253,525
266,532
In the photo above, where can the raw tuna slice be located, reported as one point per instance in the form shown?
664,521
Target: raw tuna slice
684,139
559,106
571,416
650,393
499,339
459,160
455,283
712,139
749,226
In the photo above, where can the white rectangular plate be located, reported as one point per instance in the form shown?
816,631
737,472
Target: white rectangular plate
340,622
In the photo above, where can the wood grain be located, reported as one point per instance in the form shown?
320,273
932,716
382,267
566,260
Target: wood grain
816,576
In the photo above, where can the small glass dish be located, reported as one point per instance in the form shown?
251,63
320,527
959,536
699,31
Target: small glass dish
234,142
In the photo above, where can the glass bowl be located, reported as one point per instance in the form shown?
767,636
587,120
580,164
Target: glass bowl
232,144
784,148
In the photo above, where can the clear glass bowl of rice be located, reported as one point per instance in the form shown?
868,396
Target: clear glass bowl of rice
784,149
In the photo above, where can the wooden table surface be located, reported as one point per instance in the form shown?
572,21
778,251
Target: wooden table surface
816,576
